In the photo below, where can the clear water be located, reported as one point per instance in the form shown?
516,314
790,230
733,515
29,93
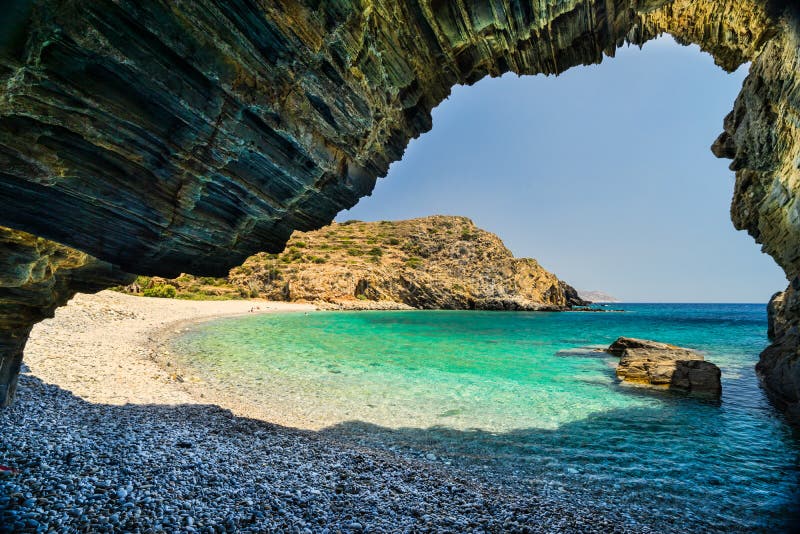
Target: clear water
522,396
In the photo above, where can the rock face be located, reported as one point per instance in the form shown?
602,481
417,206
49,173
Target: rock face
666,366
762,137
37,276
170,136
779,365
438,262
197,133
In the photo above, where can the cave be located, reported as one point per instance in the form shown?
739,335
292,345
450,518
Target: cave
157,138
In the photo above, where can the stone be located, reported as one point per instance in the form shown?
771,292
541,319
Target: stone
622,343
651,363
697,376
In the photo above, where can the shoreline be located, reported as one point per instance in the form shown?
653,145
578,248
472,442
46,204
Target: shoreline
102,439
125,365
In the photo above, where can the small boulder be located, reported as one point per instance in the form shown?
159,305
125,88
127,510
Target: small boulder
665,366
622,343
697,376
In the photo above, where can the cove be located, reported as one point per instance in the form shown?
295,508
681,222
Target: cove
524,398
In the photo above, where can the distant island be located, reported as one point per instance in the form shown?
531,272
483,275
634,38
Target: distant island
596,296
437,262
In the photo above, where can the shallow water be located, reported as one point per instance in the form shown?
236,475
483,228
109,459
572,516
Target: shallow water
523,395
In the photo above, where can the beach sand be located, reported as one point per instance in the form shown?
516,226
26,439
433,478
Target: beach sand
102,347
102,439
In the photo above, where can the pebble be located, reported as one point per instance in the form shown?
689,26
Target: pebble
244,475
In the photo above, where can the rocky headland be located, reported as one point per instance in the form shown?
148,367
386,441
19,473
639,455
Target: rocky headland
437,262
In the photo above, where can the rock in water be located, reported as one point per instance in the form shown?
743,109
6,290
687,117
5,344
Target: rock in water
623,343
662,365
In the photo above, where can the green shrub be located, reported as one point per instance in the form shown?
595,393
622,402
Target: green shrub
164,291
414,262
299,244
317,259
355,251
393,241
351,221
375,251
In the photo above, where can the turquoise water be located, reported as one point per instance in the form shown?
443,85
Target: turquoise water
523,397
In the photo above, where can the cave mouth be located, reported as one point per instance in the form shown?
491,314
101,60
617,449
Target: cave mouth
603,158
184,140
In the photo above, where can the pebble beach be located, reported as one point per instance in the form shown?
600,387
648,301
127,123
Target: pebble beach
101,438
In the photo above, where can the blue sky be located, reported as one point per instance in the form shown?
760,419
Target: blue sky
603,174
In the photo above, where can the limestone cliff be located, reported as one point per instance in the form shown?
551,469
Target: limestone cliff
434,262
169,136
37,276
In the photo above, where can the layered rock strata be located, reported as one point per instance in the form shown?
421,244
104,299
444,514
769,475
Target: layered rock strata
438,262
184,136
762,137
779,365
37,276
197,133
660,365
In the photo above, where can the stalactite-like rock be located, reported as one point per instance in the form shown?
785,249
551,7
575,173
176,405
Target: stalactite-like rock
172,135
36,277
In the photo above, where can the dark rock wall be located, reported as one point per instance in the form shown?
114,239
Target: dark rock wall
195,133
36,277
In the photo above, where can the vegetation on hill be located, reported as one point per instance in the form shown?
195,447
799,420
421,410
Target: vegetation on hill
432,262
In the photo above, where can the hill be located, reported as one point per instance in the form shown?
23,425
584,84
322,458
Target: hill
437,262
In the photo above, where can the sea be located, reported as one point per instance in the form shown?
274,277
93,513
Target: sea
527,399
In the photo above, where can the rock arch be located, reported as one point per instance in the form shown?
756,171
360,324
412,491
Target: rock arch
168,136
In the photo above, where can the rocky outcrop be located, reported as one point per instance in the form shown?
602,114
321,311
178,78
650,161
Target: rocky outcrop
650,363
762,137
438,262
573,296
184,136
779,364
37,276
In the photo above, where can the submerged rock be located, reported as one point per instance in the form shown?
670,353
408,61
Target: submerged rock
662,365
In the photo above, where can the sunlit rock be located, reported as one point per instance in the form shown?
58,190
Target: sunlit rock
661,365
